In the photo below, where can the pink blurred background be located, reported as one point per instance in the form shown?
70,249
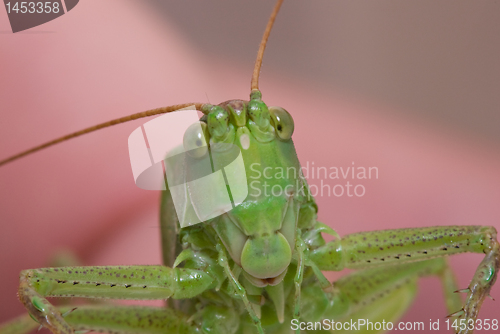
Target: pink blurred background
412,103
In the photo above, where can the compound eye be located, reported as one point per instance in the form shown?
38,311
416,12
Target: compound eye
195,140
282,122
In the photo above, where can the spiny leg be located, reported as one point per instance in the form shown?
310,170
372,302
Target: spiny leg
116,319
119,282
130,319
377,294
362,250
365,286
302,261
299,276
238,288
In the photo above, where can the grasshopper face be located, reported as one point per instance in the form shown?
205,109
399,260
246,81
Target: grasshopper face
260,232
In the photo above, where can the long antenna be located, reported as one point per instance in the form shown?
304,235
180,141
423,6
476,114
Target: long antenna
158,111
146,113
262,47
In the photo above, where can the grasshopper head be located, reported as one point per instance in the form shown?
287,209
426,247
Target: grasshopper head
260,232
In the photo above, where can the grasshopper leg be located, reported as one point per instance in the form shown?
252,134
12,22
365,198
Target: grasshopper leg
113,319
240,290
375,294
123,282
369,249
299,276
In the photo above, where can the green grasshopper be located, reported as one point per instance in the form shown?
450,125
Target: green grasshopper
258,267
